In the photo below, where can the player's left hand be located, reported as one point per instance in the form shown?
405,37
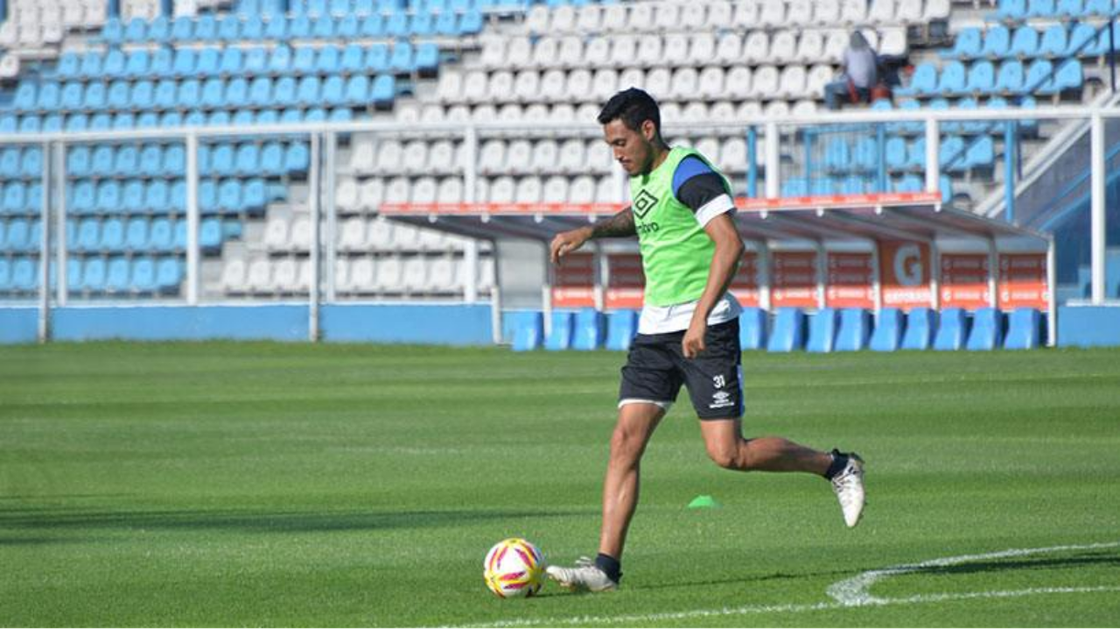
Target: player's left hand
693,343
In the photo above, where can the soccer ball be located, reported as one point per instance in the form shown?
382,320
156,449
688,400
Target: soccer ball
514,568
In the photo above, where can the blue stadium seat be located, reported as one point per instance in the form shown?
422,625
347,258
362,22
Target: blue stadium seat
142,96
865,154
112,235
19,233
118,275
1054,42
528,330
952,154
333,89
1024,330
922,83
247,159
1041,9
5,269
10,163
185,61
188,94
231,62
151,157
276,28
1010,10
563,328
213,93
372,25
888,331
68,67
84,200
242,118
161,236
166,95
795,187
47,99
108,196
297,158
952,80
1068,76
822,331
124,120
24,276
269,116
470,22
967,45
162,63
307,92
328,61
401,60
952,331
291,115
299,27
837,154
920,325
260,92
76,123
229,28
208,62
207,196
31,165
622,325
169,275
303,61
1024,43
981,153
93,275
854,330
357,90
1040,77
126,161
421,25
352,60
26,96
136,65
136,234
71,98
981,77
255,61
323,27
447,24
1083,41
284,92
144,275
272,158
91,65
427,57
174,161
255,196
30,124
280,60
132,200
397,25
210,235
237,93
229,196
384,90
103,161
52,123
194,118
377,58
206,27
1011,78
752,328
348,27
987,330
788,332
113,64
590,329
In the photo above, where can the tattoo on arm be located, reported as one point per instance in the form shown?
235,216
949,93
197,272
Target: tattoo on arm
621,224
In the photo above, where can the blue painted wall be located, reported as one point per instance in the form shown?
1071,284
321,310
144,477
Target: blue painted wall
431,324
1087,326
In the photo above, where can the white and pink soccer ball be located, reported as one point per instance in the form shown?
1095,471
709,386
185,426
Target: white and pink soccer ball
514,568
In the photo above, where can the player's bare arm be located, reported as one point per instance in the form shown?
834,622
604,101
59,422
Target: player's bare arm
725,262
619,225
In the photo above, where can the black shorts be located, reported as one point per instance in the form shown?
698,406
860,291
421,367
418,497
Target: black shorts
656,368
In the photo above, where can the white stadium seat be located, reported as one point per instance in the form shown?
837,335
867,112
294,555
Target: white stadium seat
936,10
441,157
415,158
810,47
756,48
746,16
853,12
599,158
528,83
441,276
546,155
649,52
424,190
729,50
492,157
684,84
733,155
371,194
570,54
529,190
827,12
614,17
511,112
475,87
259,278
791,83
608,190
571,157
379,234
582,190
502,190
604,84
776,109
631,77
363,275
276,234
486,112
537,20
432,113
588,18
563,19
882,11
519,156
675,50
450,190
783,47
723,111
303,276
819,76
773,13
695,111
500,87
624,51
893,42
641,17
362,152
493,53
342,276
398,190
352,236
432,240
804,108
555,190
835,45
720,15
450,86
545,52
234,278
710,83
799,13
519,53
390,155
693,16
910,13
578,87
406,237
702,49
659,83
388,277
598,52
738,82
764,83
346,194
748,110
284,275
667,16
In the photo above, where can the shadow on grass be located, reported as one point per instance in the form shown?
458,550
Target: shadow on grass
258,521
1076,560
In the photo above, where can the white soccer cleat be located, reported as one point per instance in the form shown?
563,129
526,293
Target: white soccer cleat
585,576
848,485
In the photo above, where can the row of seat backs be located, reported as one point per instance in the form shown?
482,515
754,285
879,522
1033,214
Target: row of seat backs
856,184
955,127
863,154
583,329
193,117
314,8
1019,10
1056,41
224,159
144,274
981,77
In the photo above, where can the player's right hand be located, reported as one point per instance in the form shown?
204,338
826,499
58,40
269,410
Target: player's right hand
566,242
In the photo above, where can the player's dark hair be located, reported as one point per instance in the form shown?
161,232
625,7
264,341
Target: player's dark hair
633,107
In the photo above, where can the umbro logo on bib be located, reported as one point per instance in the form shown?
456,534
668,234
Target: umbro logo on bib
643,203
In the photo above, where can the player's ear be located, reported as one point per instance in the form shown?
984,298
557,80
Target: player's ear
649,130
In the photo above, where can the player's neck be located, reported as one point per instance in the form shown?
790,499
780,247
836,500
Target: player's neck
660,154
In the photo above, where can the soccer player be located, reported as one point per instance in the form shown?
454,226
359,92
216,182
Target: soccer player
681,211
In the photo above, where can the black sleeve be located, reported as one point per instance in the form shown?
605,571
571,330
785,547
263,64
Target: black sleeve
698,190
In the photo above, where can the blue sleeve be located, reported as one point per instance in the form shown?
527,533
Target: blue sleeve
689,167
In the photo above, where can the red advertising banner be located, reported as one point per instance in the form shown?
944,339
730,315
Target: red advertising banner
574,282
744,286
904,272
1022,281
964,281
794,279
850,282
627,282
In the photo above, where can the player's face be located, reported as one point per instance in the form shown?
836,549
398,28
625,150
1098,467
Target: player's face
633,149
